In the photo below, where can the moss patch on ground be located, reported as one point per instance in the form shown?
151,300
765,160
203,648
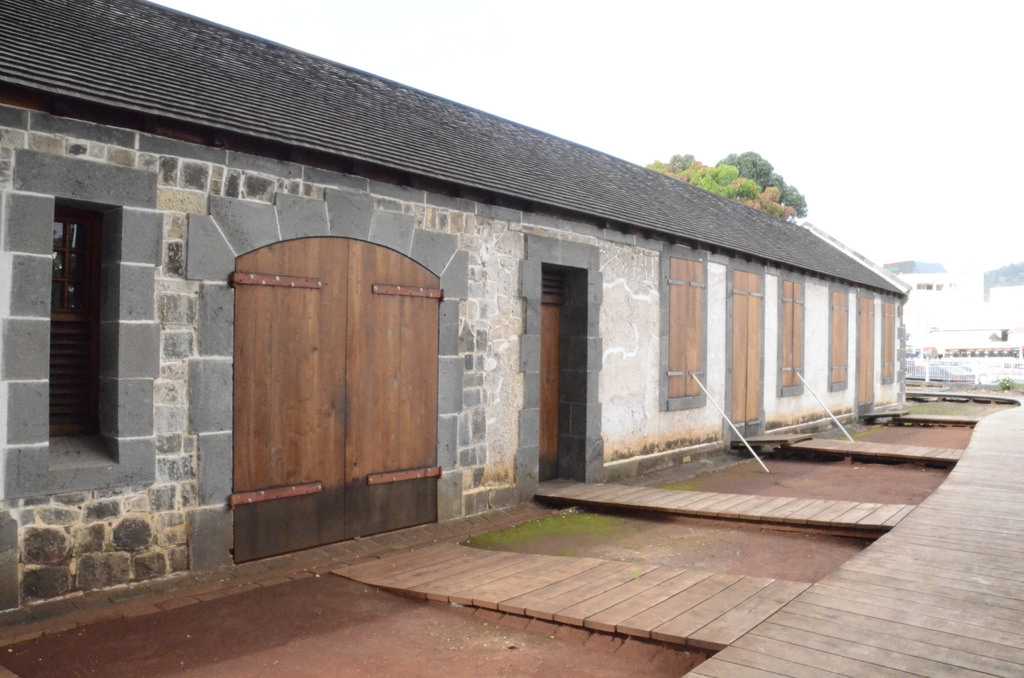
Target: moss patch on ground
570,526
685,486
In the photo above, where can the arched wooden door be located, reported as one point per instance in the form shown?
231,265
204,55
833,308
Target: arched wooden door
335,394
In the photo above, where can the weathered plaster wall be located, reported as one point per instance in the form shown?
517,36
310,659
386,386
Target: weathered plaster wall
634,422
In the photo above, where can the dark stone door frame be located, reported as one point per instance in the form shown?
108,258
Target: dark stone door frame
589,467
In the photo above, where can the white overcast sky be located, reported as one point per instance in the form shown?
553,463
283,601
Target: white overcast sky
901,122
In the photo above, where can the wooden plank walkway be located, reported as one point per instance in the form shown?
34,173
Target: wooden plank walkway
680,606
866,450
847,516
935,420
957,396
942,594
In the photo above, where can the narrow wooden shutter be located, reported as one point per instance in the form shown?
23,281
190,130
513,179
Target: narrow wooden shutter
755,345
798,332
686,326
792,332
888,341
840,337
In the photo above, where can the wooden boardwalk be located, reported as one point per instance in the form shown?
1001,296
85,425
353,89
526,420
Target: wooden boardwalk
935,420
964,396
942,594
866,450
680,606
846,516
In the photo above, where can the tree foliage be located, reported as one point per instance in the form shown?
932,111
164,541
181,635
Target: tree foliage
745,177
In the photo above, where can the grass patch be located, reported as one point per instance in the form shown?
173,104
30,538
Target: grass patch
570,525
685,486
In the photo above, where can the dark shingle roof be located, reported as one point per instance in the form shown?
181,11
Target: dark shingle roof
146,58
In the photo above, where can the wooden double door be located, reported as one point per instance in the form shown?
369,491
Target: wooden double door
747,351
335,394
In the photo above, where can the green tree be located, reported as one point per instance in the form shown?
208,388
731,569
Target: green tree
744,177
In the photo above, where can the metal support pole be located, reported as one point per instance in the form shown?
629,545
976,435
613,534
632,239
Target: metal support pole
824,407
731,425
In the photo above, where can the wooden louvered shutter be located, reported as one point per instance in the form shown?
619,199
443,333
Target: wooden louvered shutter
686,327
888,342
792,331
840,338
74,323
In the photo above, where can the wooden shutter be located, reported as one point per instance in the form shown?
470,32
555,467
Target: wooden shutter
840,338
792,332
74,323
888,342
686,326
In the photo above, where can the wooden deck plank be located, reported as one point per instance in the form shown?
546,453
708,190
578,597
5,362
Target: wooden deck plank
899,516
543,602
760,512
683,627
434,570
869,450
828,515
858,513
852,650
936,420
914,618
550,607
809,511
449,589
765,662
650,618
951,661
735,622
610,618
1010,658
818,659
718,668
790,508
491,594
379,569
976,615
728,506
578,614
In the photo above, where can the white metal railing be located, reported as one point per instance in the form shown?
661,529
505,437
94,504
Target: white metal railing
970,371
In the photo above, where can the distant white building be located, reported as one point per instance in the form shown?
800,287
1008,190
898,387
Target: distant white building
947,314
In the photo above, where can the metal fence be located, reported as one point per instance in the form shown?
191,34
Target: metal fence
973,371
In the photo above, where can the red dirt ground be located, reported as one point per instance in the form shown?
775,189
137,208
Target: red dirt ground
715,545
739,548
329,626
927,436
824,479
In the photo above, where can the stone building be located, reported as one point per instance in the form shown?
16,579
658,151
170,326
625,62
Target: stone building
253,301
